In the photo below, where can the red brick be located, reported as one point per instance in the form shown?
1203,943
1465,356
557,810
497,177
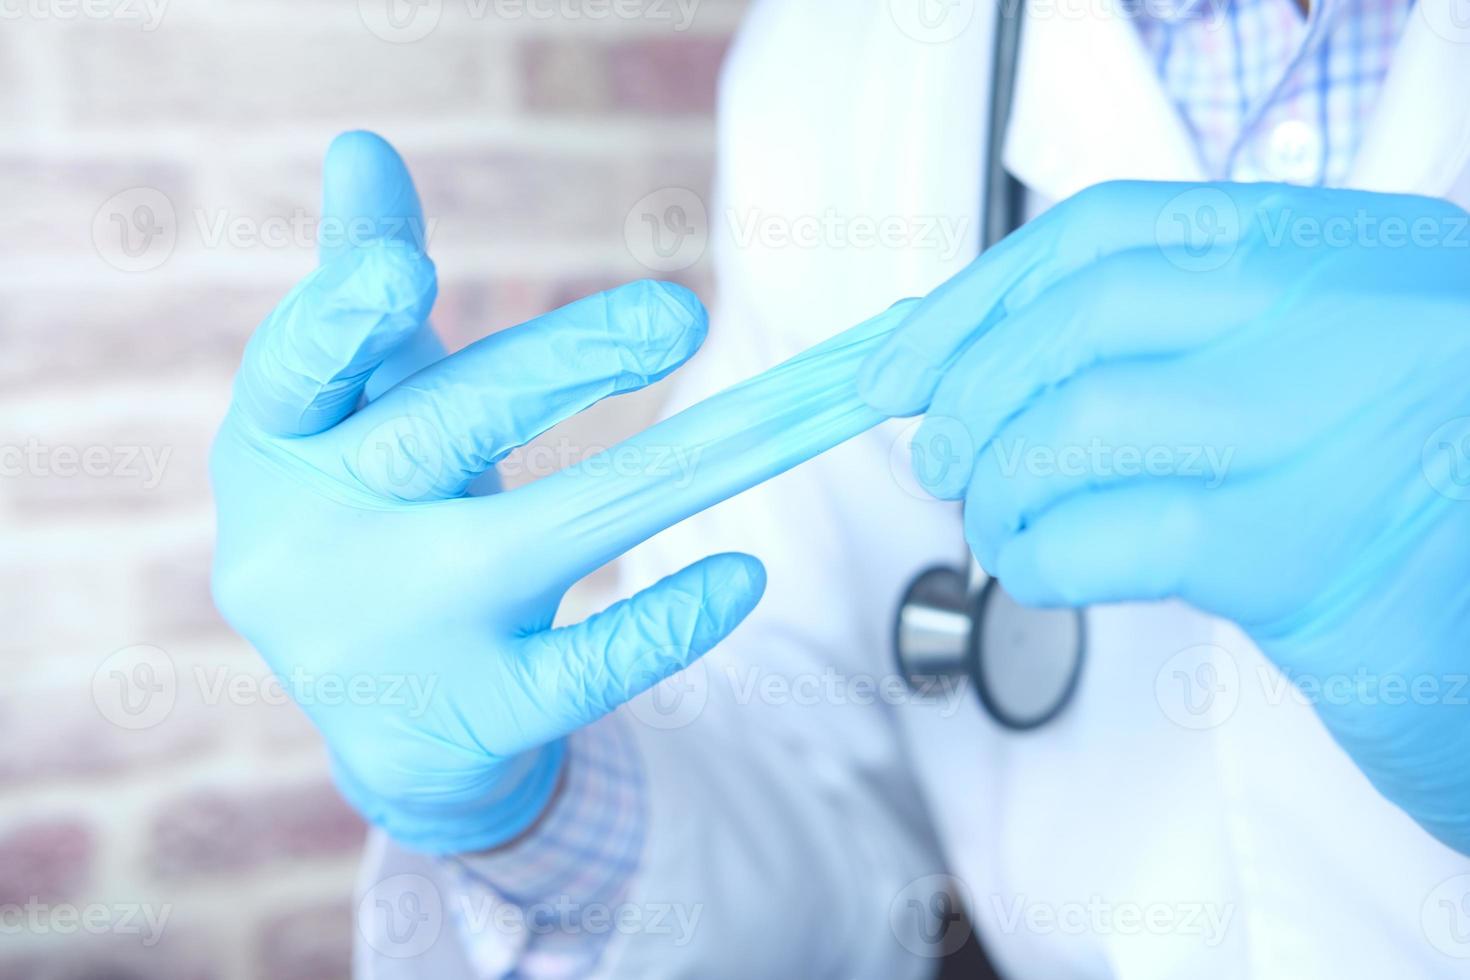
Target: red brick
153,462
566,75
55,734
45,862
218,831
284,726
63,196
520,196
313,943
111,957
268,72
466,309
176,595
228,113
83,336
666,75
663,74
49,604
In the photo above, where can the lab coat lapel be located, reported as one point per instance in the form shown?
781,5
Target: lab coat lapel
1418,138
1089,106
832,110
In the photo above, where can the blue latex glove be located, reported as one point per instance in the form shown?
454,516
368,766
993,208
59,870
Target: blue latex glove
348,552
1251,397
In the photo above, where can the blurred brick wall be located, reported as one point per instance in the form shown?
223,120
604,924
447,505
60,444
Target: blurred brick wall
533,126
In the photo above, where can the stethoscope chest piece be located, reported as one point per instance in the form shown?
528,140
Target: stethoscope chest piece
1025,663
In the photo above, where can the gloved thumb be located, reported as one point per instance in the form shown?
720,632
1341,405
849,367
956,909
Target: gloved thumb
367,197
305,367
586,671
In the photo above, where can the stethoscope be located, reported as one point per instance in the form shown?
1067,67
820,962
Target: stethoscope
958,625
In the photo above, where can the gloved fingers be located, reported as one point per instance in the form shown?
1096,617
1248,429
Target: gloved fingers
1135,304
435,432
582,672
1137,543
1216,550
1117,424
902,376
713,450
368,196
306,365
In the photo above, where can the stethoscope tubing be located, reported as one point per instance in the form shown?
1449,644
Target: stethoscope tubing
1003,204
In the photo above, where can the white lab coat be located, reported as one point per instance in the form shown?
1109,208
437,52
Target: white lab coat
794,823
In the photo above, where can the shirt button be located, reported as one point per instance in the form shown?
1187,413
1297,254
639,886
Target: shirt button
1294,152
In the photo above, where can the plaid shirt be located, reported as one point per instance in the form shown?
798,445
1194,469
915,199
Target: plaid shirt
574,865
1267,94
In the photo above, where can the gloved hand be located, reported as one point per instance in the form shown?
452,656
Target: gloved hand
350,557
1251,397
